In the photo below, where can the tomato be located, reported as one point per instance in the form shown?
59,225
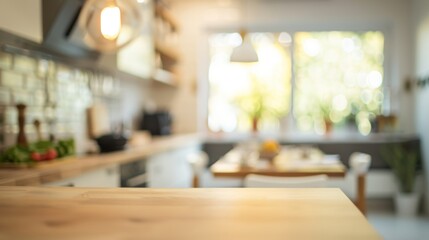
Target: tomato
51,154
35,156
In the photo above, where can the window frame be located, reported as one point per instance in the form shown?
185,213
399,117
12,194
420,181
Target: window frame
204,85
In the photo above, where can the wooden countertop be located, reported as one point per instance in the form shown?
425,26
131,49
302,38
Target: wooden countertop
74,166
79,213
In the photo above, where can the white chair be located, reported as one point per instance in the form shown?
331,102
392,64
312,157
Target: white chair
359,164
261,181
198,162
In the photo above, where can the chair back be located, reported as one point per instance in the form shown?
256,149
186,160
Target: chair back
198,161
261,181
360,162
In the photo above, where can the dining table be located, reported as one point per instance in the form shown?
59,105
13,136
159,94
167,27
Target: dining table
291,161
181,214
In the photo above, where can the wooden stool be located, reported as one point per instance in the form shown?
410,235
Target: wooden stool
198,162
359,163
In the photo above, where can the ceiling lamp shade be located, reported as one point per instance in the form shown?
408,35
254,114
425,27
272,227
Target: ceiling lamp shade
110,24
245,52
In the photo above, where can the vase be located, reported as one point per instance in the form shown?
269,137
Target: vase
255,122
406,204
328,127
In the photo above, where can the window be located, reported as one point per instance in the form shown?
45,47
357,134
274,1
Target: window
338,79
240,92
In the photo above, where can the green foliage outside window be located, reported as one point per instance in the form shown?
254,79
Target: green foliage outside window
338,77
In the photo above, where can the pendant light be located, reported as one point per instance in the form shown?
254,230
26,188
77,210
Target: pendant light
110,24
245,52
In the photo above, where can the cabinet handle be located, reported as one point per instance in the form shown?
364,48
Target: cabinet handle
137,180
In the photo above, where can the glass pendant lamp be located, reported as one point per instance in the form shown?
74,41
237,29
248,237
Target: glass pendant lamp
110,24
245,52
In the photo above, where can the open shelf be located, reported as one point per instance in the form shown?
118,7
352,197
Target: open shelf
162,12
165,77
167,52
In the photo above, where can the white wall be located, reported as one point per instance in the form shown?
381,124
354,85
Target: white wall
22,17
198,17
421,24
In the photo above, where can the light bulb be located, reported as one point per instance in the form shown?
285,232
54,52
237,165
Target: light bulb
110,22
108,25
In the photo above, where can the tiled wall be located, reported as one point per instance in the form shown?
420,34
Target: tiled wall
54,92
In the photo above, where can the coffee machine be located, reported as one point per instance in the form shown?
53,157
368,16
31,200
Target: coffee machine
158,123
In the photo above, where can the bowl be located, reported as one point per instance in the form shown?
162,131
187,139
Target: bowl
111,143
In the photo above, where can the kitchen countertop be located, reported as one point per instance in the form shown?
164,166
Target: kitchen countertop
74,166
79,213
311,138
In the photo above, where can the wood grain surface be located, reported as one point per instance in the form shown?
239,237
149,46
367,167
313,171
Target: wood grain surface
75,166
77,213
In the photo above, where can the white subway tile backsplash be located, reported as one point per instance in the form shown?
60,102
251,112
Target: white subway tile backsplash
39,98
40,83
24,64
42,68
5,98
11,115
9,138
52,70
5,60
29,128
49,112
52,96
2,117
33,82
21,96
63,73
11,79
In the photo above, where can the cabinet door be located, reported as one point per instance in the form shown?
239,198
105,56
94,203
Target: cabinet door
170,169
105,177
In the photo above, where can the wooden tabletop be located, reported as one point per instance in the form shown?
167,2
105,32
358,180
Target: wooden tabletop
78,213
220,169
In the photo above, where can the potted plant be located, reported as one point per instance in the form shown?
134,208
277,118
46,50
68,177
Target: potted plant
325,111
404,163
261,101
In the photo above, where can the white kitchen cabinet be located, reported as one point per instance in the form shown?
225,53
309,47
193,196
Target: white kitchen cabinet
170,169
108,177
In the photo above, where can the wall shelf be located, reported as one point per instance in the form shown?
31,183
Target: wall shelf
162,12
165,77
165,37
166,51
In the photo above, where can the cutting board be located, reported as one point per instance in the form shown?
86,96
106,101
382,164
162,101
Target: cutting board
98,123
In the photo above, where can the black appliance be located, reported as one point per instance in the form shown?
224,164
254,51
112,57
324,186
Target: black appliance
157,123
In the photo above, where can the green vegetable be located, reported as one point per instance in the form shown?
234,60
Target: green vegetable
20,154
